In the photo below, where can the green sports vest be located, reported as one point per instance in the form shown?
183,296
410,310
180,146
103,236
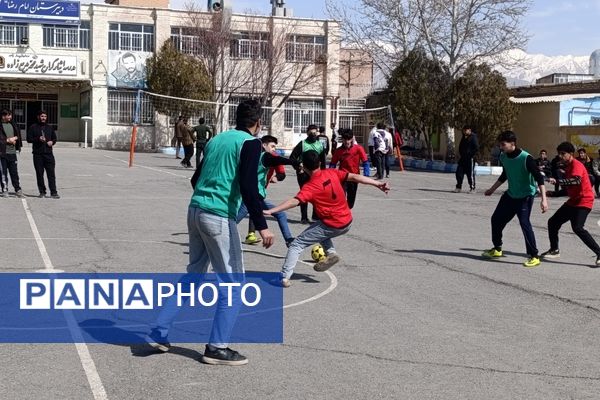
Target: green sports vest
521,183
262,177
218,188
316,146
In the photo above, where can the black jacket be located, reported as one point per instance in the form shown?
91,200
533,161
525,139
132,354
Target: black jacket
35,132
3,138
468,147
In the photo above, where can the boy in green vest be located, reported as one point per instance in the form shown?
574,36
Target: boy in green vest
524,177
310,143
225,176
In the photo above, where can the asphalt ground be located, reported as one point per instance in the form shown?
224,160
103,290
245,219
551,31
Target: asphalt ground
412,312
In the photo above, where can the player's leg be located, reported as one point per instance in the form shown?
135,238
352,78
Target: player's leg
578,218
282,221
524,216
562,215
351,189
460,176
198,264
332,258
308,237
505,211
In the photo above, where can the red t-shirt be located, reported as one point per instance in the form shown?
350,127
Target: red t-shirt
579,195
349,159
324,190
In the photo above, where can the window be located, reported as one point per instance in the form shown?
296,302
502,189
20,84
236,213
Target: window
122,106
67,36
233,103
249,45
11,34
186,41
305,48
301,113
131,37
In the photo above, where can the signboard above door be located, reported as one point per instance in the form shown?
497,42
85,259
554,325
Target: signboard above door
58,12
36,64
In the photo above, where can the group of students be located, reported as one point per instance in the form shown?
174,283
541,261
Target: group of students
551,168
239,187
186,136
42,137
525,181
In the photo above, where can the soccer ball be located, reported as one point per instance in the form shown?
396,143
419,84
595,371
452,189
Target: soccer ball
317,253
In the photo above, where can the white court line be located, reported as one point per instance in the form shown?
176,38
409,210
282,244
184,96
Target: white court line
150,168
82,350
332,278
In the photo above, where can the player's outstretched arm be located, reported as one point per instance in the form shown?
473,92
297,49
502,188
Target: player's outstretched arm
286,205
383,186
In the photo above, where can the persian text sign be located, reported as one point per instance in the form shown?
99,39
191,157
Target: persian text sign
33,64
63,12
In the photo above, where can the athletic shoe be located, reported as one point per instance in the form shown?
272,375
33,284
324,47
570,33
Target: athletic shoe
251,238
597,262
285,282
550,254
327,263
304,221
532,262
472,190
55,196
216,356
158,341
20,194
288,242
41,195
4,193
457,190
492,253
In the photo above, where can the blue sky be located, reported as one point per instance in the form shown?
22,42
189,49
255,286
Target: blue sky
556,27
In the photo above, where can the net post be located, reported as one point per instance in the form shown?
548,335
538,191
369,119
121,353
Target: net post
136,120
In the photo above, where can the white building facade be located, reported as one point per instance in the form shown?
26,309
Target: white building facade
95,68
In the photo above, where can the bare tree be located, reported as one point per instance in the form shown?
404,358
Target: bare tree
456,32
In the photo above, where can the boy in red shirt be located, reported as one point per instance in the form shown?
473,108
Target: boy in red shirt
324,190
581,200
349,155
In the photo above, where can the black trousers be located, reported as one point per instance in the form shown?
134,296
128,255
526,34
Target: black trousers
188,153
465,167
577,217
379,157
302,179
506,210
350,188
387,159
199,152
8,166
41,163
597,185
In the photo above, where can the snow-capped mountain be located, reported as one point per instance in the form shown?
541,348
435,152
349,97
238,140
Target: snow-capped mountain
529,67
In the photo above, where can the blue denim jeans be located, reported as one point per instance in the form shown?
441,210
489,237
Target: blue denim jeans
213,240
280,216
317,232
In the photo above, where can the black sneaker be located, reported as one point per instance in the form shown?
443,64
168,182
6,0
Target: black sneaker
55,196
551,254
20,194
156,340
41,195
304,221
216,356
288,242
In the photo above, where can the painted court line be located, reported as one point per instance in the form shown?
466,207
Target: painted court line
332,278
82,350
150,168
